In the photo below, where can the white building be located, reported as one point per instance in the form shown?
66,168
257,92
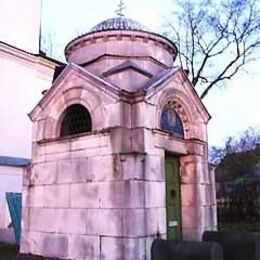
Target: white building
24,74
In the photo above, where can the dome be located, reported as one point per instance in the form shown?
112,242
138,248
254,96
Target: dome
119,23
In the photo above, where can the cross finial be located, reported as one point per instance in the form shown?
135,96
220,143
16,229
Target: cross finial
121,8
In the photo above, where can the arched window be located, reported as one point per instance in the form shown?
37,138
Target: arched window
171,122
76,120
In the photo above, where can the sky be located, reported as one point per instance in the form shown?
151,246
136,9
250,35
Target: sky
234,108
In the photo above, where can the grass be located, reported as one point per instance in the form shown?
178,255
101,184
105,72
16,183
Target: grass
8,252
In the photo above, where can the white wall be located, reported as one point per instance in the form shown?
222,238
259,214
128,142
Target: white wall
21,84
20,23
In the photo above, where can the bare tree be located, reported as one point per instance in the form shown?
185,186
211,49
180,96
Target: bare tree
215,38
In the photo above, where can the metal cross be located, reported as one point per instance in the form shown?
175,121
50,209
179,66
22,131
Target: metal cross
121,8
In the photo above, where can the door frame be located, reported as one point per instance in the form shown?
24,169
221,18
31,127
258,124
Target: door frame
176,157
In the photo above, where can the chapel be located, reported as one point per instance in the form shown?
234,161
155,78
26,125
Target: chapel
119,151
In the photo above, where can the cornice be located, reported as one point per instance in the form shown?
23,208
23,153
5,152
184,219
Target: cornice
12,52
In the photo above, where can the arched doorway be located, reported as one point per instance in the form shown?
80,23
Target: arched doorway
171,122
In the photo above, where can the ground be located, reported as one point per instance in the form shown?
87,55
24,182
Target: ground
7,252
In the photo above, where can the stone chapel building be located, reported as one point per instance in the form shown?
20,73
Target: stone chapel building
119,151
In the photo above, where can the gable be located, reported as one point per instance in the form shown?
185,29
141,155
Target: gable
174,93
174,84
74,83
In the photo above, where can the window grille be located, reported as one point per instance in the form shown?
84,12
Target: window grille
76,120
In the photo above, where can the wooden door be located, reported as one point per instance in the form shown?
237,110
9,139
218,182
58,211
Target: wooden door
173,199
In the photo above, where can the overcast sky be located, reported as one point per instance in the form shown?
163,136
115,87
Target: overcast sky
233,109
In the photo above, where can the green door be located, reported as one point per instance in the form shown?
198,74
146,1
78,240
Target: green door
173,205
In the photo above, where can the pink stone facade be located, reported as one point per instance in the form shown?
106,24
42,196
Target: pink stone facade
101,195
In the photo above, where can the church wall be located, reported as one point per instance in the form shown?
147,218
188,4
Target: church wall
21,30
23,78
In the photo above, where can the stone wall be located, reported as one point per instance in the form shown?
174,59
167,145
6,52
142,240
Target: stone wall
82,200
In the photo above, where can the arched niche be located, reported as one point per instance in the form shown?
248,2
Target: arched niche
171,122
53,114
175,105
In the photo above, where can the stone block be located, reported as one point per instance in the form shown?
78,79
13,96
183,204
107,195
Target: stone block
31,242
90,142
144,222
154,168
192,217
161,220
71,221
84,247
189,194
126,121
197,148
118,248
57,196
166,142
49,129
121,140
52,158
55,245
72,94
44,173
38,130
104,222
154,194
98,117
137,140
55,147
91,96
132,166
86,195
135,222
43,219
103,168
140,118
24,242
25,218
194,169
129,194
35,196
153,220
114,116
73,171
